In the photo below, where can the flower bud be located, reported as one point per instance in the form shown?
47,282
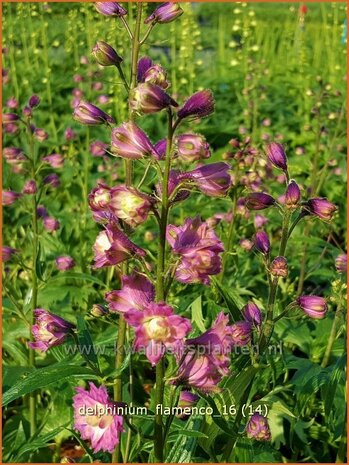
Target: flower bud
259,221
241,333
65,263
34,101
142,67
105,55
7,253
129,141
51,224
8,118
213,180
98,148
252,313
86,113
12,103
293,195
27,112
261,242
52,180
69,134
199,105
148,98
165,13
259,201
40,134
277,156
192,147
187,400
29,187
321,208
246,244
258,428
129,205
13,155
160,148
98,310
279,267
10,197
314,306
342,263
55,160
110,9
157,75
41,211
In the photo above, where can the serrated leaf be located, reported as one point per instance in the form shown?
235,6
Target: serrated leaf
231,298
196,311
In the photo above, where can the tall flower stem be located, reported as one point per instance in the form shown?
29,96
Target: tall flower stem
333,335
230,235
160,287
120,355
34,279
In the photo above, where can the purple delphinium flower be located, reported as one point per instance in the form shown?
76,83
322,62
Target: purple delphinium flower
342,263
149,98
205,360
103,429
8,118
277,156
40,134
292,195
69,134
14,155
112,246
259,201
51,224
41,211
279,267
199,248
30,187
12,103
314,306
34,101
157,328
259,221
157,75
165,13
261,242
98,200
49,330
130,205
142,67
56,160
52,180
7,253
241,333
192,147
199,105
129,141
252,313
258,428
321,208
10,197
136,293
105,55
175,181
65,263
86,113
98,148
213,179
110,9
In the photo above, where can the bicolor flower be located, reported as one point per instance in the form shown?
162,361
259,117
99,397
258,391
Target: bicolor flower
258,428
105,55
136,293
129,141
342,263
56,160
157,75
261,242
86,113
314,306
49,330
199,105
276,155
10,197
112,247
157,328
279,267
321,208
149,98
259,201
110,9
241,333
102,430
252,313
292,195
213,180
165,13
130,205
65,263
30,187
192,147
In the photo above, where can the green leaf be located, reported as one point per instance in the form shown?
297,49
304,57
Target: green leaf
43,377
189,433
231,298
86,347
330,387
80,276
196,311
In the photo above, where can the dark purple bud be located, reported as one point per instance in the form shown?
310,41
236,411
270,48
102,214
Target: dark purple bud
252,313
148,98
199,105
143,65
65,263
321,208
105,55
277,156
160,148
34,101
86,113
41,211
279,267
342,263
110,9
27,112
165,13
30,187
259,201
52,180
314,306
8,118
261,242
293,195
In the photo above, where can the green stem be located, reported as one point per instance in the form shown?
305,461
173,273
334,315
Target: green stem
230,235
160,289
333,335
